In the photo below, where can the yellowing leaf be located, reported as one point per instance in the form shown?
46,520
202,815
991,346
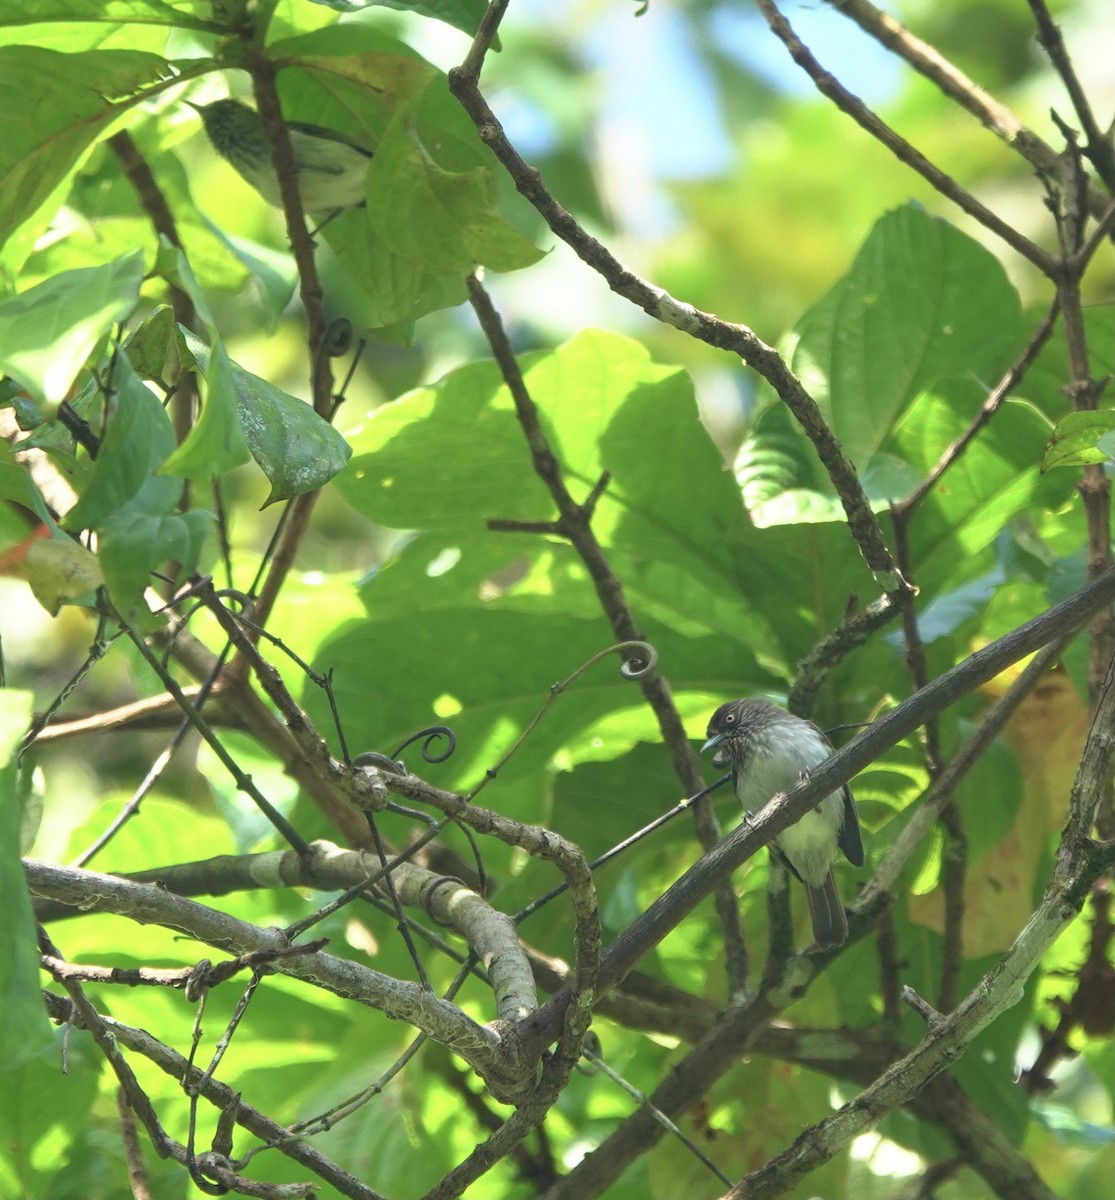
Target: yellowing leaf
59,571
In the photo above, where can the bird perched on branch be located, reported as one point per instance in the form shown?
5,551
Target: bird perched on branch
332,169
769,751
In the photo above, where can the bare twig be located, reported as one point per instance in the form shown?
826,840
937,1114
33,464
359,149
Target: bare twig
1010,380
954,864
737,339
219,1094
968,94
137,1169
1084,392
832,649
1099,148
851,104
575,523
154,203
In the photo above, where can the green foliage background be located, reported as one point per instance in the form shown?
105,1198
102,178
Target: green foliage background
730,544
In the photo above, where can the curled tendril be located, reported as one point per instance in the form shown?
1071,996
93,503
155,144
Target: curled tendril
392,763
430,735
337,339
372,758
640,660
643,663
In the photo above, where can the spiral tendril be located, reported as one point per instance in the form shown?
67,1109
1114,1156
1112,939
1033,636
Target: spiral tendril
430,735
642,664
337,339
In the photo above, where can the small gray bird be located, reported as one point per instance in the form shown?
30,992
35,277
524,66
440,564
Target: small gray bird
769,751
332,169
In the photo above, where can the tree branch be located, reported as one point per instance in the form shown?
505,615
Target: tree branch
829,86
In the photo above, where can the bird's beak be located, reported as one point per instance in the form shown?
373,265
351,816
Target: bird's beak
712,743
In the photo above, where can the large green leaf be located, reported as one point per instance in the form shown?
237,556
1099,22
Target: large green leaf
48,332
133,544
996,478
136,443
449,457
922,302
432,190
487,672
461,14
432,212
216,442
295,447
1079,439
56,106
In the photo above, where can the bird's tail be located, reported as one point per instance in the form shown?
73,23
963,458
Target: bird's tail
830,924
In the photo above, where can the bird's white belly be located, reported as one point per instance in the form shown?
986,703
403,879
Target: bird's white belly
810,844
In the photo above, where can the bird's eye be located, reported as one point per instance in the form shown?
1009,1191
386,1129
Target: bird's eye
729,718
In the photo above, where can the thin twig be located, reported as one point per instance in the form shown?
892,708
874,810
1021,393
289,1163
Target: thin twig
833,648
928,61
151,197
1099,149
574,522
954,864
1010,380
221,1095
659,304
847,102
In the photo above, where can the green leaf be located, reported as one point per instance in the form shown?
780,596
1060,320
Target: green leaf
1075,440
444,457
133,544
425,206
215,444
151,346
137,442
60,571
994,480
24,1032
272,274
56,106
433,185
48,332
46,1114
922,302
450,457
296,448
460,14
16,483
14,12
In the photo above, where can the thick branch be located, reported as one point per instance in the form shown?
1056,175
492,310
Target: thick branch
645,933
478,1045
